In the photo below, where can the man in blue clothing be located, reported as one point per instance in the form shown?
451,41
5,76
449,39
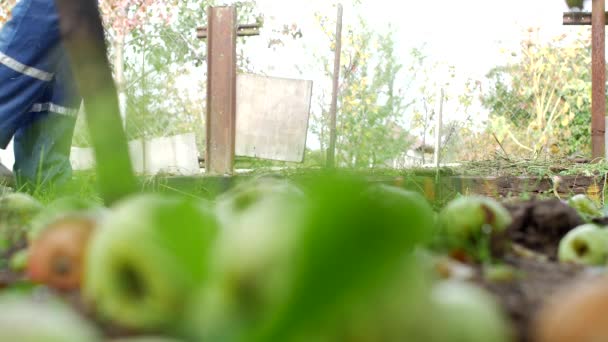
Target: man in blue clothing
38,97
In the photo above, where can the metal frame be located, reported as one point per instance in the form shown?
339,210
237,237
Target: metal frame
597,19
221,34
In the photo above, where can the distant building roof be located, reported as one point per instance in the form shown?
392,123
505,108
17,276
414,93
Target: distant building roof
416,143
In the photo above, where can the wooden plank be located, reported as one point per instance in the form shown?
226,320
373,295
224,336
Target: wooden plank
579,18
272,117
221,90
510,186
331,152
598,102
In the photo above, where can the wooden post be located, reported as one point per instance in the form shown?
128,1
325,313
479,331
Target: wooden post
221,90
221,34
597,19
331,153
598,103
438,129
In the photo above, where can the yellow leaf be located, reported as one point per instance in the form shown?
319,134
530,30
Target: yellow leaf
534,126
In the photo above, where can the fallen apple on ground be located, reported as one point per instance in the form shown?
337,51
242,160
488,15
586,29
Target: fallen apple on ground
147,259
466,216
467,313
585,245
248,265
23,319
469,226
237,200
577,312
400,309
353,239
145,339
585,207
56,256
18,262
398,199
19,204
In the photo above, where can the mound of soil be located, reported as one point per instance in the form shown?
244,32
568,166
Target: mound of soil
537,280
541,225
532,242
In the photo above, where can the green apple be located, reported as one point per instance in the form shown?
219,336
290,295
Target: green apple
586,245
465,218
249,263
147,258
585,207
145,339
18,202
237,200
352,241
18,262
398,310
16,212
24,319
398,199
466,313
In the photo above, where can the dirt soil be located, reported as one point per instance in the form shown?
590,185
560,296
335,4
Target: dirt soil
534,236
536,281
540,225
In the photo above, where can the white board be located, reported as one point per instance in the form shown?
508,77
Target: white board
176,154
173,155
272,117
7,156
82,158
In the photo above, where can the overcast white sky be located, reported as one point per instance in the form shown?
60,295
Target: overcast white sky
465,33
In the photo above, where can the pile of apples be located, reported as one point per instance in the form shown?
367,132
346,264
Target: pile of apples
577,312
335,260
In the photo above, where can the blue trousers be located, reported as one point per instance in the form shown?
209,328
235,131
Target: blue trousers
38,97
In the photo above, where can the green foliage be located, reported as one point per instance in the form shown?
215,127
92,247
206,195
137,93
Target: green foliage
371,105
540,101
159,59
432,92
5,10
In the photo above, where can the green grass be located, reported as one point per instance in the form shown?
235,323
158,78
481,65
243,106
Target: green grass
498,167
84,184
